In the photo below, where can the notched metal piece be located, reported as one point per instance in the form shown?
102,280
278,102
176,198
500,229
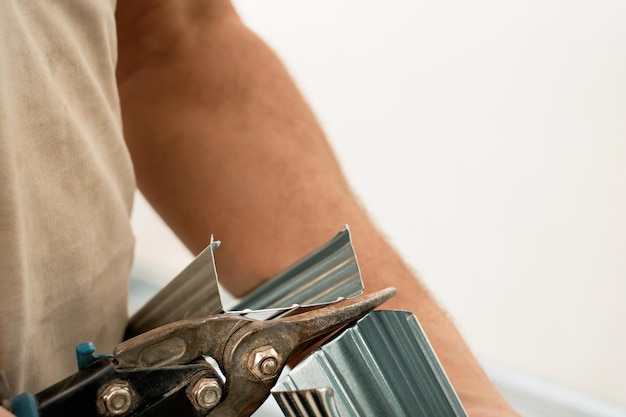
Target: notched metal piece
328,274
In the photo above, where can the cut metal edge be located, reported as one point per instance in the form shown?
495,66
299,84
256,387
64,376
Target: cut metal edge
193,292
326,275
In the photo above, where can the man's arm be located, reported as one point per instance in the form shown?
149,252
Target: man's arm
224,143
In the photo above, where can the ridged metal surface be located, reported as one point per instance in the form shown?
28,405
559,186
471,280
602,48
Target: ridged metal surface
316,403
193,293
329,273
381,366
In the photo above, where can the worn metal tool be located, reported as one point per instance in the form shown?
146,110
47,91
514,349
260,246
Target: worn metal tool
162,371
250,353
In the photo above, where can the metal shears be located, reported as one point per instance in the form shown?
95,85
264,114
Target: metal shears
163,371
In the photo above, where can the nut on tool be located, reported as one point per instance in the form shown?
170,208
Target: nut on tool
206,393
264,362
116,398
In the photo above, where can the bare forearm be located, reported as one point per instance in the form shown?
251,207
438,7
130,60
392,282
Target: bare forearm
223,143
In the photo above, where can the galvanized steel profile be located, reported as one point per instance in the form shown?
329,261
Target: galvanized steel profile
329,273
381,366
192,293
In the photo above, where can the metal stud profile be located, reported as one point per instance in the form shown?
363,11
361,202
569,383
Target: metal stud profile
381,366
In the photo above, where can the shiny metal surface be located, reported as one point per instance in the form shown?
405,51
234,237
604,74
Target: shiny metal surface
382,365
303,403
329,273
193,293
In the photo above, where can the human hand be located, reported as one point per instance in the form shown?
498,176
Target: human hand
5,413
5,395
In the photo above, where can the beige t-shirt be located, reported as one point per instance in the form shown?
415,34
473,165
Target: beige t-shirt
66,188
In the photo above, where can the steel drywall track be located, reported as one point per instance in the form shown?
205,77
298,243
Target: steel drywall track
383,365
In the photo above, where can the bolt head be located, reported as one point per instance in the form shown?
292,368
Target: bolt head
206,393
117,398
269,366
264,363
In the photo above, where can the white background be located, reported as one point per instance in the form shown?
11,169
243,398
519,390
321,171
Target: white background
488,140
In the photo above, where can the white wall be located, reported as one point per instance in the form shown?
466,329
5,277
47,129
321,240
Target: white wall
487,139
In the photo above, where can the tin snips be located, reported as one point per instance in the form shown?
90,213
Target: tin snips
214,363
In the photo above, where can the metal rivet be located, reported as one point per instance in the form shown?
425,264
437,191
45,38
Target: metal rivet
117,399
206,393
